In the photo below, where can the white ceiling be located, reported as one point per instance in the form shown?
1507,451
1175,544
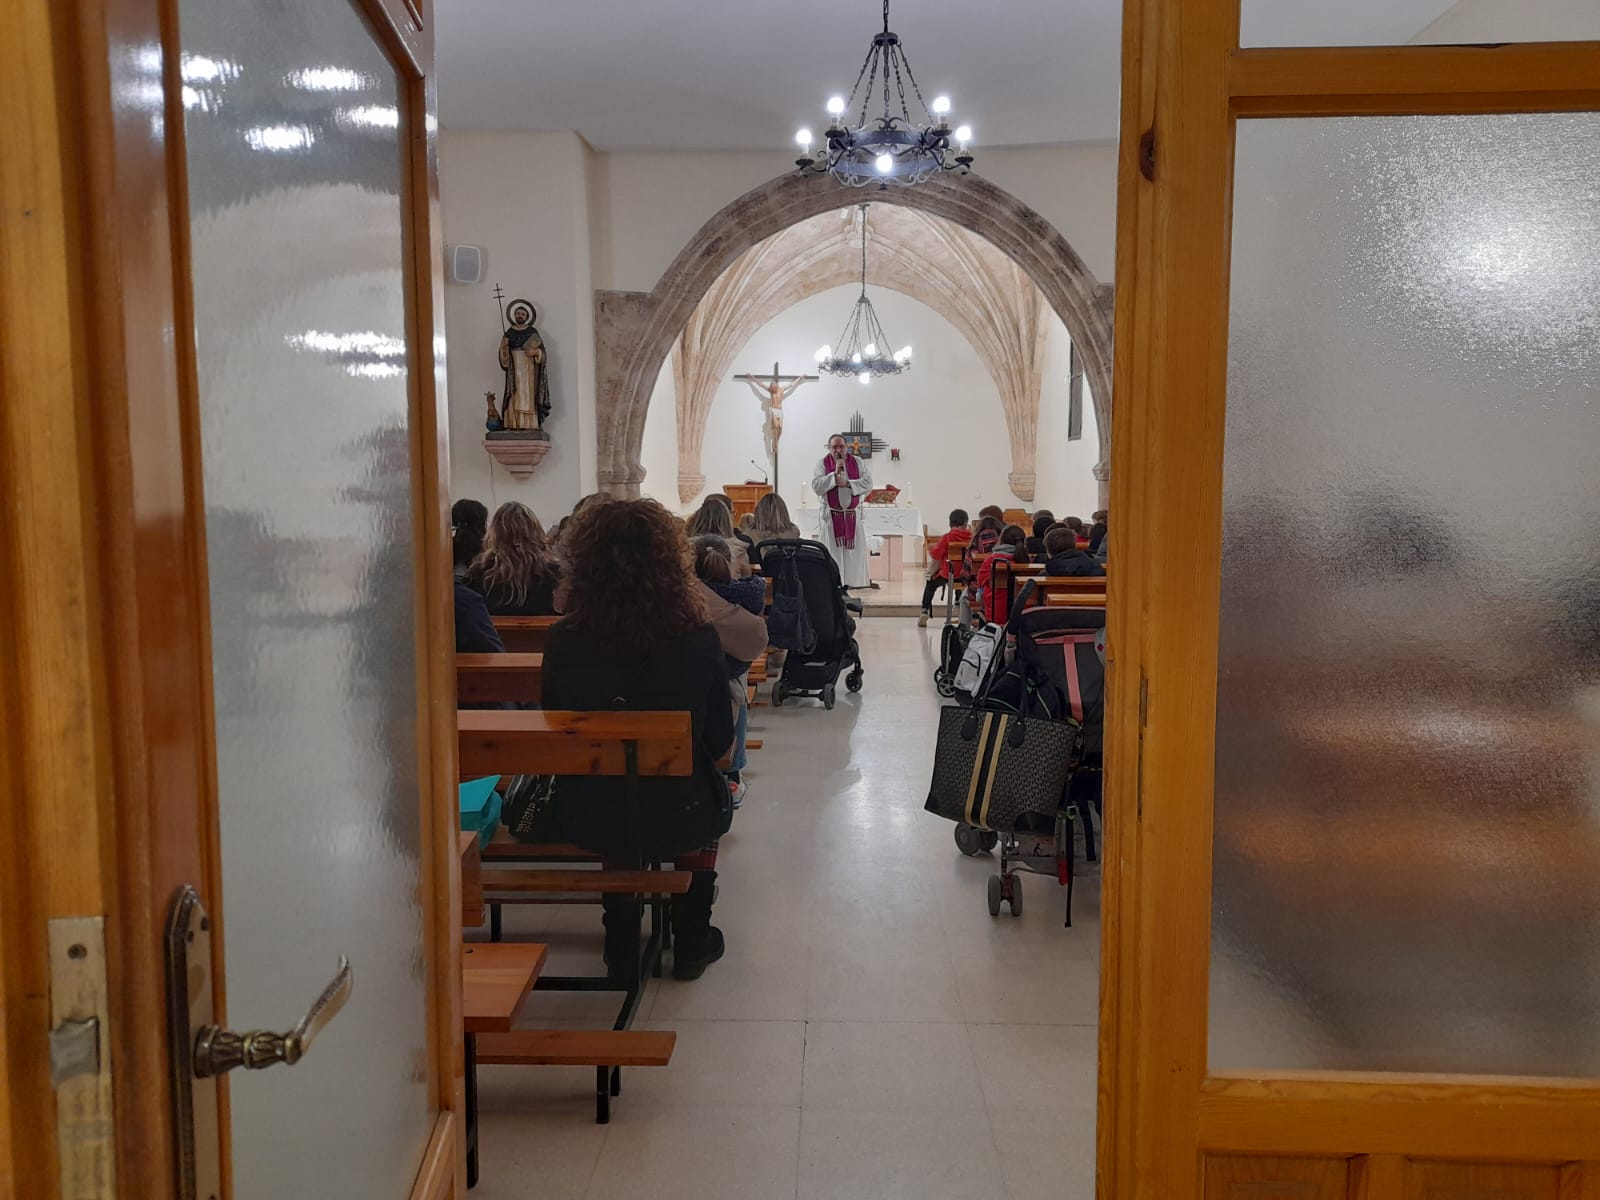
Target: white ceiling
745,74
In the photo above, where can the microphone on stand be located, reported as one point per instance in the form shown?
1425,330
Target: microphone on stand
760,468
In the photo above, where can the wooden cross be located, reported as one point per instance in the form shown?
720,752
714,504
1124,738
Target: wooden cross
772,390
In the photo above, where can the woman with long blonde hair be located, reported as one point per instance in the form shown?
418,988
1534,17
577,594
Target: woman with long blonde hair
517,573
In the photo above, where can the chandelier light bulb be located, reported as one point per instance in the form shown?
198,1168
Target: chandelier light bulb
836,106
856,358
903,354
941,105
964,134
824,353
865,377
803,139
885,163
870,350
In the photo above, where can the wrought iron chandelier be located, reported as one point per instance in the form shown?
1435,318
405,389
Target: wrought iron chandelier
863,346
892,148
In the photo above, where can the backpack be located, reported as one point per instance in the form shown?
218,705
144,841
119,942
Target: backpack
978,658
789,622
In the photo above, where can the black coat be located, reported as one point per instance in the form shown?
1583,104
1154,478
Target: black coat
1073,562
538,601
584,673
475,632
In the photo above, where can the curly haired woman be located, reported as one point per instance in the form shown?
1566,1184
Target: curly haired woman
636,637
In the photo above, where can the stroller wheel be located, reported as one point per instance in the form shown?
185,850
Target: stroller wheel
1016,895
988,839
994,895
969,840
945,685
777,693
827,696
852,681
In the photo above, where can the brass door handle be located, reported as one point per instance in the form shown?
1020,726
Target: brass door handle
218,1051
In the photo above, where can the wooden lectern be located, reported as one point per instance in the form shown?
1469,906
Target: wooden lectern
745,496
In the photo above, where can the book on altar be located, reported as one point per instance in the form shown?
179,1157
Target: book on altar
883,495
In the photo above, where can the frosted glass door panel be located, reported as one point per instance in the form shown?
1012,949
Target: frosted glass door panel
1407,848
1424,22
295,168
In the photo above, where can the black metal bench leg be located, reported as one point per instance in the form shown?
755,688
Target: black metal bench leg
494,922
471,1052
602,1096
616,1081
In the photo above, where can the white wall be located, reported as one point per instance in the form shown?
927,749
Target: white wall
1515,20
558,221
523,197
647,206
944,415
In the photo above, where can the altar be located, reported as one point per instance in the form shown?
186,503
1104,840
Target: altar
889,522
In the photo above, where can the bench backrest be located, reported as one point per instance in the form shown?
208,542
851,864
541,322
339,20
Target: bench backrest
524,635
498,678
540,742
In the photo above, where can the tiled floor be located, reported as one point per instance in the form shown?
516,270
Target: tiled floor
872,1034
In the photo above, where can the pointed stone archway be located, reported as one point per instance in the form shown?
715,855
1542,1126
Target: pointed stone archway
634,331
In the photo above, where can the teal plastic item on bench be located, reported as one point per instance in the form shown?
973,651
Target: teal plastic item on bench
480,807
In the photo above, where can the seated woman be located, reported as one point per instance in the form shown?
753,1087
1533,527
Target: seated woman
517,573
644,645
469,525
736,609
772,520
715,517
1012,543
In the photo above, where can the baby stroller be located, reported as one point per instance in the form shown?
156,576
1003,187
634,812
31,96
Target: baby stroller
813,670
1057,670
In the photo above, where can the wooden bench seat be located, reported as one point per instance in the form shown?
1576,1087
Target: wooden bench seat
515,881
505,848
578,1047
499,678
524,634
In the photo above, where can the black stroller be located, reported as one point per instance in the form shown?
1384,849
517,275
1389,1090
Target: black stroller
814,671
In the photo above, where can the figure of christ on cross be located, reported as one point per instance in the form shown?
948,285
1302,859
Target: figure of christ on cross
772,390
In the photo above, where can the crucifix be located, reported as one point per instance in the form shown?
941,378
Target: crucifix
772,390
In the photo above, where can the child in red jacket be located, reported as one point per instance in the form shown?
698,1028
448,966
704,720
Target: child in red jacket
960,534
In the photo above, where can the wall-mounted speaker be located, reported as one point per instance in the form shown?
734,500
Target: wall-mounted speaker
466,264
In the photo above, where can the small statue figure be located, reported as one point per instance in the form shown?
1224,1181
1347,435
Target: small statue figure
525,403
492,422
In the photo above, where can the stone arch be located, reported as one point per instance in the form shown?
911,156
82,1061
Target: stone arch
990,301
634,331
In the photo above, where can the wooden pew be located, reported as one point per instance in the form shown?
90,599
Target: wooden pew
628,745
524,635
499,678
495,982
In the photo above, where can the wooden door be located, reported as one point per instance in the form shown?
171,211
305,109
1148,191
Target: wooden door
1351,845
224,446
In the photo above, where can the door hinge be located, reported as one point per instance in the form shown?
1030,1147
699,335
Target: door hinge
80,1059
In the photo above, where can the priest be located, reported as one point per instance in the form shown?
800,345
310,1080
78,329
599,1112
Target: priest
841,479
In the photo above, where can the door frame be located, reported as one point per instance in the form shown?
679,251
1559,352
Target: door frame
106,734
1185,83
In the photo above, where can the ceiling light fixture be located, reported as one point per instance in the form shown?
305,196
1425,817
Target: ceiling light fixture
892,148
860,351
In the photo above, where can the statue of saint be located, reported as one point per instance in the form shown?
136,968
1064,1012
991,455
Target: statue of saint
525,401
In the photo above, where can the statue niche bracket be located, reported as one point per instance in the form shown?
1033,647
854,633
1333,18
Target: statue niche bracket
516,437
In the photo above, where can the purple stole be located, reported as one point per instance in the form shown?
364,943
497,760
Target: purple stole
842,504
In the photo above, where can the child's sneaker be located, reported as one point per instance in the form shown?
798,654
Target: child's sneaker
922,619
737,789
